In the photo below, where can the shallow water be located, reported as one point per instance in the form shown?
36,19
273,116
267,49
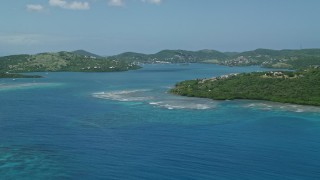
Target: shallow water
126,126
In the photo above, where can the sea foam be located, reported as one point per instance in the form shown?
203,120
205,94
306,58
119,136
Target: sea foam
281,107
124,95
157,99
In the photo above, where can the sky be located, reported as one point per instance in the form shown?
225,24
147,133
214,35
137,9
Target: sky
109,27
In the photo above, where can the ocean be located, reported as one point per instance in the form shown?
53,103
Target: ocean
124,125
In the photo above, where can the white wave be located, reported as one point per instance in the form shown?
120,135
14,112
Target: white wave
299,110
155,103
282,107
251,105
183,105
157,99
124,95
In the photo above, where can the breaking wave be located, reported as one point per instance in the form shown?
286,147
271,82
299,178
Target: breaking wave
157,99
281,107
178,104
164,100
125,95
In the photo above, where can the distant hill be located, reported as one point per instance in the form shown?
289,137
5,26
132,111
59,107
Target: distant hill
86,53
230,54
291,59
276,58
188,56
83,61
131,57
59,62
171,56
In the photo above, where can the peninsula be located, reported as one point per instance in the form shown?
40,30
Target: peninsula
76,61
300,87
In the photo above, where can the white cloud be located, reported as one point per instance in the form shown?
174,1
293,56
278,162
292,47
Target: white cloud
116,3
152,1
58,3
35,7
79,5
74,5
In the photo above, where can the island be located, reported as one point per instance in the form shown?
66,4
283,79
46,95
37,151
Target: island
296,87
77,61
283,59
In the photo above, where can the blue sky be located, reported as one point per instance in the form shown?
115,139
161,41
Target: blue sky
108,27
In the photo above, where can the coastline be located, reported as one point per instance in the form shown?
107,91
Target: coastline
299,87
16,75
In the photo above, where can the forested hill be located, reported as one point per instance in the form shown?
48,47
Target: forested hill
61,61
86,53
171,56
81,60
291,59
301,87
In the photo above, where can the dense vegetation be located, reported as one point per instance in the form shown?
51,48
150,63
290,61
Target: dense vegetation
86,53
61,61
83,61
290,59
171,56
301,87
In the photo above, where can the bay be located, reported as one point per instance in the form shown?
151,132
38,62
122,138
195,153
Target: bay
125,125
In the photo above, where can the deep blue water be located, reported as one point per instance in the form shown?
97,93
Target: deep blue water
125,126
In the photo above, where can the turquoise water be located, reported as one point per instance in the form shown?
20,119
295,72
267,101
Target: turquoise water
125,126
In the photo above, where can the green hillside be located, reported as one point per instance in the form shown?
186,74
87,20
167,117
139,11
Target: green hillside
83,61
61,61
293,59
301,87
131,57
290,59
171,56
86,53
